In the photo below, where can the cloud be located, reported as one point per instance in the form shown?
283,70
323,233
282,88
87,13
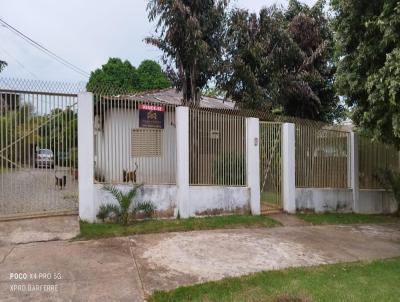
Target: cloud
86,33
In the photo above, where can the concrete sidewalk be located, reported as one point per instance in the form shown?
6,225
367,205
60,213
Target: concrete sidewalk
101,270
128,269
62,227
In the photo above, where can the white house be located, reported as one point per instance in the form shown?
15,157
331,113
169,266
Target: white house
126,151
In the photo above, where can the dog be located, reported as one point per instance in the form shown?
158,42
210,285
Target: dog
61,182
130,175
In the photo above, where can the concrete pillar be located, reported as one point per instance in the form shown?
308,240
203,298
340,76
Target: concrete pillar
253,163
182,168
288,168
354,171
87,210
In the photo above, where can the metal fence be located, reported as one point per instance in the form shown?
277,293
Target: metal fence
271,164
128,153
322,158
38,149
374,158
217,147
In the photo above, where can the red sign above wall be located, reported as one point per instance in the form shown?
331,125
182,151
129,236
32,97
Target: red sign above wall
151,108
151,116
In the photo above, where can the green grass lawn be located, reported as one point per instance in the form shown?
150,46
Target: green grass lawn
337,218
93,231
362,281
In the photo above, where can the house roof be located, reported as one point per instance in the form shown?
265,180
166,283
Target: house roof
172,97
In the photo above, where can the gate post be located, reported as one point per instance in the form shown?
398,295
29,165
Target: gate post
182,163
354,171
253,163
87,210
288,168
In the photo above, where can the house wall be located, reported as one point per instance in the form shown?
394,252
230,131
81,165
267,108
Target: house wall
113,149
204,200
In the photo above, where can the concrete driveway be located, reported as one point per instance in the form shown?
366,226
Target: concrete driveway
31,190
127,269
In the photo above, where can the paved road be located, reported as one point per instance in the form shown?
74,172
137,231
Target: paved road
127,269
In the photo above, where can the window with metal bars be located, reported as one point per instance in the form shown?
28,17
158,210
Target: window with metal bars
146,142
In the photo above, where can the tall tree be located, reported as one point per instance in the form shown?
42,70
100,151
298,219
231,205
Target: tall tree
3,64
368,54
120,76
191,37
281,60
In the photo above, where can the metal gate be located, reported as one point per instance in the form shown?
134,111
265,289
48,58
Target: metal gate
270,166
38,153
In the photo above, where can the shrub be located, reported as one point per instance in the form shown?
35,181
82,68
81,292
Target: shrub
147,207
103,212
124,200
106,211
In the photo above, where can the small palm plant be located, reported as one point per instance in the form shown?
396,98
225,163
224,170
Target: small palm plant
124,202
147,207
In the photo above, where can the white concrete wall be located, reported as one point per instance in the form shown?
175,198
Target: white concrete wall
162,196
215,200
324,200
341,200
202,200
113,146
376,202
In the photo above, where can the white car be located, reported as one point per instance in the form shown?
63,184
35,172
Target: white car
44,158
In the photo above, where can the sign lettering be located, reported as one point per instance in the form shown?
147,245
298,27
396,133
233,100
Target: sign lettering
151,116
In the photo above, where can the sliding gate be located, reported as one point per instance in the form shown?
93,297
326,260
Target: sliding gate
38,153
270,166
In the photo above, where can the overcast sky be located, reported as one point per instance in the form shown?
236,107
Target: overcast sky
86,33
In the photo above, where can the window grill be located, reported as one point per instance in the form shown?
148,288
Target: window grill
146,143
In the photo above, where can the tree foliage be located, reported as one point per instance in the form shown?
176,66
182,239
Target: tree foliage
56,130
191,37
368,54
3,64
151,76
118,75
281,60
